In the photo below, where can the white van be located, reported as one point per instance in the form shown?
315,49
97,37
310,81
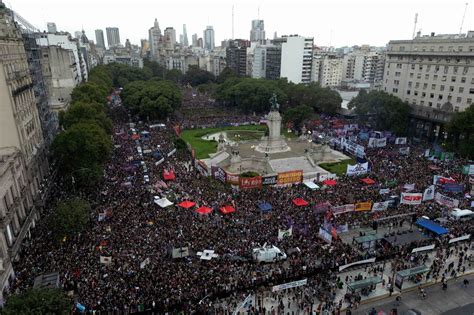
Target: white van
461,214
268,254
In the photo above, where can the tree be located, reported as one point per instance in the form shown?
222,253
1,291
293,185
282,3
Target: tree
384,111
81,151
321,99
85,112
461,129
226,73
297,115
90,92
196,76
123,74
70,217
38,301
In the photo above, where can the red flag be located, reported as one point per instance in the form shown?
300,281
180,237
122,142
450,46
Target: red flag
334,232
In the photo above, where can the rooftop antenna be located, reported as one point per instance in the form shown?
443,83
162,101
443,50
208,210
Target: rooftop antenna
463,16
414,27
232,21
258,13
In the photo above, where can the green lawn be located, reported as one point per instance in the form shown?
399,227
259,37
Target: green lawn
338,168
204,147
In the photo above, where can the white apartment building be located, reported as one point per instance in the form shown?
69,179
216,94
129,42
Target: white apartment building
316,67
363,64
435,74
330,74
296,58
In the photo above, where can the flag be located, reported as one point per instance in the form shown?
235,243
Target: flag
334,233
285,233
429,193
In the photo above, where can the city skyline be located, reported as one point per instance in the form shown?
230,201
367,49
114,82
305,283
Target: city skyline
331,24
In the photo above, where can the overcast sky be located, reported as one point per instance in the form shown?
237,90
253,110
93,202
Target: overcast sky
339,23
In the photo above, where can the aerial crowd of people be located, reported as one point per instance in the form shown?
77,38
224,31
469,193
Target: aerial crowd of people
124,260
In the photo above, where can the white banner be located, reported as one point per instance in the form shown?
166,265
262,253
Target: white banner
411,198
377,143
325,235
423,248
404,151
409,187
285,233
429,193
106,260
461,238
380,206
160,161
401,141
384,191
446,201
357,169
360,262
289,285
172,152
144,263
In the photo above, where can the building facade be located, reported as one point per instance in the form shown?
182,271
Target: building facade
208,38
51,27
236,56
330,74
296,58
113,36
99,39
434,74
169,37
257,33
154,40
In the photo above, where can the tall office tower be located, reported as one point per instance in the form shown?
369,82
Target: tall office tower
296,58
236,56
195,40
209,38
99,38
185,36
257,33
113,36
154,39
51,27
170,37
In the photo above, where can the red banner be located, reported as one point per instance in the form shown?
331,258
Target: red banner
411,198
250,182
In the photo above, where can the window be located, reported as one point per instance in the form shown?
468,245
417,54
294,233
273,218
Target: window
435,77
425,85
420,67
465,70
413,67
416,93
430,104
440,96
443,78
456,108
408,92
418,75
399,65
402,48
459,48
461,89
427,76
433,86
458,99
469,101
428,68
417,84
395,90
450,97
453,79
411,75
396,82
451,89
431,95
422,102
397,74
463,79
438,105
445,69
410,83
423,94
455,70
471,91
436,68
440,48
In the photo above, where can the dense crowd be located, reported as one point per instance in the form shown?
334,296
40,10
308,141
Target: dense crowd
139,236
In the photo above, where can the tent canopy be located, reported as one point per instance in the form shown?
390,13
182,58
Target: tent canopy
413,271
204,210
365,283
432,226
186,204
163,202
329,182
168,175
227,209
265,206
300,202
368,181
311,185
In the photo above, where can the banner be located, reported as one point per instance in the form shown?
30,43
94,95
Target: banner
269,180
401,141
325,235
353,148
285,233
322,207
232,179
291,177
363,206
250,182
446,201
202,168
380,206
360,262
377,143
160,161
106,260
423,248
411,198
384,191
429,193
343,209
180,252
453,187
468,169
172,152
409,187
219,174
461,238
404,151
144,263
357,169
289,285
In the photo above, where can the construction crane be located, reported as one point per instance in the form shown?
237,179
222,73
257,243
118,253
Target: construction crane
463,16
414,27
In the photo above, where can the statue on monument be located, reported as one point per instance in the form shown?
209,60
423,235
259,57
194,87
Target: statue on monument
273,101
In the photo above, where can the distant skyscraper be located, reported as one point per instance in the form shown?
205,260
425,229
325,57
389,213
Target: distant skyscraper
154,39
52,27
195,40
200,43
209,38
170,36
128,45
185,36
99,38
113,36
257,33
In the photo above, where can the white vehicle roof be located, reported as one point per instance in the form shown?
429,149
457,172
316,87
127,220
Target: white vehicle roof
461,212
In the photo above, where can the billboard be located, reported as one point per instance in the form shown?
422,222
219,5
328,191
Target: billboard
290,177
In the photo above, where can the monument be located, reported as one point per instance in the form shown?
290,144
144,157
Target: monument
274,143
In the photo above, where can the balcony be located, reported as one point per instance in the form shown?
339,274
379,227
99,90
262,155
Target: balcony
13,251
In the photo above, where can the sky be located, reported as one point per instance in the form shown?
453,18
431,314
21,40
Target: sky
332,23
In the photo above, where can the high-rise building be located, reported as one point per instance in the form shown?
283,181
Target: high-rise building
145,46
195,40
128,45
434,74
296,58
185,36
113,36
273,62
154,39
51,27
257,33
209,38
236,56
363,64
200,42
99,39
170,37
330,70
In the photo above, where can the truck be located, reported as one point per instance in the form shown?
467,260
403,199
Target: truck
268,253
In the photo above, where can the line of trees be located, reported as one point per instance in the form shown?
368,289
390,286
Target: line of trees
461,130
